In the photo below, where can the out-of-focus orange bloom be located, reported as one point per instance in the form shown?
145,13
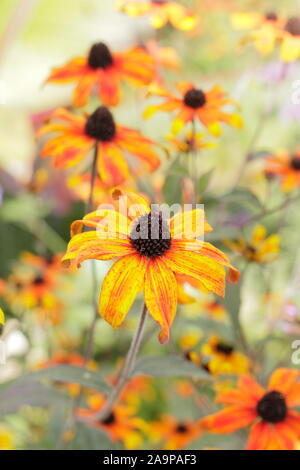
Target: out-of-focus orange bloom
222,358
172,433
194,104
264,29
152,250
122,425
104,70
161,12
32,283
286,166
78,135
164,57
189,142
274,423
261,249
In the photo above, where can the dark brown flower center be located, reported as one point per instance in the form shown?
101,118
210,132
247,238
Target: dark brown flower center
293,25
100,56
272,407
181,428
109,420
295,163
194,98
39,280
224,348
150,235
101,125
271,16
158,1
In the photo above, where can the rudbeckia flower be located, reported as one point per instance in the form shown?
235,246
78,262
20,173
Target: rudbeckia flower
286,166
189,143
274,423
265,28
78,135
161,12
289,37
174,434
261,249
194,104
152,251
222,358
104,70
122,425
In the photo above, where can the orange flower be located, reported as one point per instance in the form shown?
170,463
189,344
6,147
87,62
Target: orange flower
148,262
174,434
190,142
195,104
105,70
274,423
161,12
79,135
286,166
121,425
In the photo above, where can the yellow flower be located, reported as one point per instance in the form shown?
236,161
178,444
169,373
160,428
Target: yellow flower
2,317
148,261
222,358
261,249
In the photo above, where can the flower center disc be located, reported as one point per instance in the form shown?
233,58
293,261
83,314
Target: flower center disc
272,407
150,235
181,428
293,26
194,98
271,16
224,348
110,419
100,56
101,125
295,163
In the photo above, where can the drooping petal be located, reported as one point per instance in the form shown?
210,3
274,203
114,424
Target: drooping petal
107,222
120,287
202,268
112,166
109,87
84,89
261,436
69,72
161,295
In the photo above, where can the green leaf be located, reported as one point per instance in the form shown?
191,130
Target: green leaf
24,209
203,182
243,197
88,438
72,374
172,186
169,366
232,303
23,392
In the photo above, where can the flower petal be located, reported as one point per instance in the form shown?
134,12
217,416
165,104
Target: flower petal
120,287
112,166
161,296
261,436
190,224
202,268
283,380
229,420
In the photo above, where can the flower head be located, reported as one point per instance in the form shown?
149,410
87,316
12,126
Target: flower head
78,135
264,29
193,104
161,12
173,434
122,425
152,251
261,249
104,70
289,37
274,423
286,166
